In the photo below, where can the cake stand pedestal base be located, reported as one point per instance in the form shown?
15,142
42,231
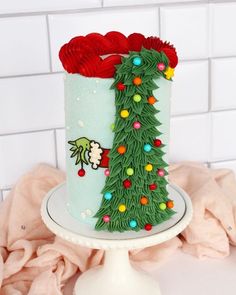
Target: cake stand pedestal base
116,276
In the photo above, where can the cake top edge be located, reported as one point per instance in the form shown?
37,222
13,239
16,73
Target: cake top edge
97,55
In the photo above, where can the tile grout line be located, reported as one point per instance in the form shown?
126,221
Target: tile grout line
50,12
223,57
30,75
61,72
49,43
222,161
223,110
172,117
209,86
203,113
189,115
221,1
209,127
208,164
209,31
102,7
6,188
32,131
55,147
97,8
159,21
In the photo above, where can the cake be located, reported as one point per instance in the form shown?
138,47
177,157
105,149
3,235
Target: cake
117,101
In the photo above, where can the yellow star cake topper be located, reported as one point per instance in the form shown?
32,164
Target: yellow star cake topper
169,73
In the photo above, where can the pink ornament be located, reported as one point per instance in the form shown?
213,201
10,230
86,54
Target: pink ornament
161,172
106,218
107,172
161,66
137,125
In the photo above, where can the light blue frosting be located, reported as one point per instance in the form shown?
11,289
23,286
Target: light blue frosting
90,111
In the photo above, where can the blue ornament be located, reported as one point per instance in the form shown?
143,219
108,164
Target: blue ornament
137,61
147,147
133,223
108,196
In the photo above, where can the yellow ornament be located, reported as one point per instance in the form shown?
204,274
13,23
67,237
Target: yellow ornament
122,208
148,167
169,73
124,114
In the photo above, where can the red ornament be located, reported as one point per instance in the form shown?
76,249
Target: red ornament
148,227
157,142
152,186
127,183
120,86
81,172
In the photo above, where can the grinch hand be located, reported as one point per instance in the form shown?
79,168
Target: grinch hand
83,148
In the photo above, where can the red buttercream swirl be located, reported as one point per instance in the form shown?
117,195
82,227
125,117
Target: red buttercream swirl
82,54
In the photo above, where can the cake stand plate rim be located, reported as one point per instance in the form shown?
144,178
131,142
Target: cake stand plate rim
103,242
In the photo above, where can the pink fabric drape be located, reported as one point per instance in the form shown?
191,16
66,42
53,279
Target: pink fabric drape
34,261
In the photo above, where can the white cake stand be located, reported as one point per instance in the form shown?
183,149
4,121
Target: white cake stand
116,276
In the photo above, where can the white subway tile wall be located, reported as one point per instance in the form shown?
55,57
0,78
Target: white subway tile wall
187,28
31,103
223,89
108,3
27,6
20,152
61,153
222,28
190,88
189,138
24,45
31,77
223,136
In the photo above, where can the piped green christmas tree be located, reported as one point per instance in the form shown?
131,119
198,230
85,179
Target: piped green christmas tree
135,194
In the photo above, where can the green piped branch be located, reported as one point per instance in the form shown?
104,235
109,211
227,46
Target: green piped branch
135,194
